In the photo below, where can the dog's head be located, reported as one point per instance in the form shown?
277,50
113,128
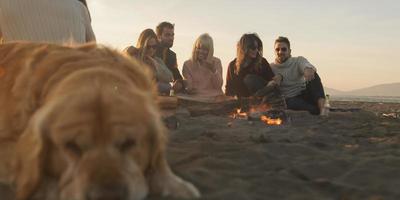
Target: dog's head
98,135
95,133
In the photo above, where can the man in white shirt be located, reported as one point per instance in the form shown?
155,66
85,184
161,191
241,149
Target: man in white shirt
301,86
52,21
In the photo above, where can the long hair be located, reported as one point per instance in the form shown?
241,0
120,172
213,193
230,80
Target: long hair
143,40
204,41
243,46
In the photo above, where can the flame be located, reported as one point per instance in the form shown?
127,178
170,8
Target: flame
239,114
259,108
270,121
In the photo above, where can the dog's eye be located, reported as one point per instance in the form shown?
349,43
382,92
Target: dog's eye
73,147
127,144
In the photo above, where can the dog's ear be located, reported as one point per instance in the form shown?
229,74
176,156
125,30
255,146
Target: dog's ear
30,156
161,180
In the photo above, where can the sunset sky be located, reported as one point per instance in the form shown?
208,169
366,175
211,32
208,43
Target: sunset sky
353,44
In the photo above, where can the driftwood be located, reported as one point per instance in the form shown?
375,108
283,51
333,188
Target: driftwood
269,96
167,102
200,108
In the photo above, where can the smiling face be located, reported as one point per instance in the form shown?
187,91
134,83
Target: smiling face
252,50
151,47
202,52
282,52
167,37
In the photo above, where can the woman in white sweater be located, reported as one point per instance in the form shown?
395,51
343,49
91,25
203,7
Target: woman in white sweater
52,21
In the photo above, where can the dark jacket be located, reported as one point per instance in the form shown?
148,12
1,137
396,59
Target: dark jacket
234,82
169,58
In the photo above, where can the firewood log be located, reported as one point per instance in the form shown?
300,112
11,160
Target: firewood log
167,102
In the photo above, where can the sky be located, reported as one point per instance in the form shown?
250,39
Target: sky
353,44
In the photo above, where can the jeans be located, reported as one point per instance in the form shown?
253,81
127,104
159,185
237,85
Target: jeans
308,99
163,88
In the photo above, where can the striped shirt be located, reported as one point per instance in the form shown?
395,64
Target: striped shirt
52,21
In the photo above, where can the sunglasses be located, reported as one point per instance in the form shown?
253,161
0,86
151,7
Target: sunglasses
253,47
283,49
151,47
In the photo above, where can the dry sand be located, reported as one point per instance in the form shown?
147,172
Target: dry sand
348,155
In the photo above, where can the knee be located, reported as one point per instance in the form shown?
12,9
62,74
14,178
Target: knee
253,82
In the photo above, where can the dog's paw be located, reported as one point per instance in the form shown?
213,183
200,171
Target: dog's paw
178,188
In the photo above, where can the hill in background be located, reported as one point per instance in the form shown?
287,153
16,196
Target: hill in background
391,89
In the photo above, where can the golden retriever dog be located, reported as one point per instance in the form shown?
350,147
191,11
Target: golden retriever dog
81,123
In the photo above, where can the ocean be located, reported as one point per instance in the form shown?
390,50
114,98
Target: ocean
382,99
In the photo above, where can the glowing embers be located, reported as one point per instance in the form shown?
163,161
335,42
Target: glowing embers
239,114
263,114
271,121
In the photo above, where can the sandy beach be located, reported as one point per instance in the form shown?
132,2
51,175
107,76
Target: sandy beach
348,155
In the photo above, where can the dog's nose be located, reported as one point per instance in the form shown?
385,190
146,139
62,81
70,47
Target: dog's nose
107,192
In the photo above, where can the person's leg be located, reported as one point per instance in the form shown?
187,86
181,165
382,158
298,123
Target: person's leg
314,92
263,94
299,103
253,83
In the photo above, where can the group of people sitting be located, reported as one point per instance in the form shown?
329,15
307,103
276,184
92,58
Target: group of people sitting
249,72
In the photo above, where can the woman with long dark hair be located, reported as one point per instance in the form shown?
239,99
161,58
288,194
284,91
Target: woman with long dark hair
249,71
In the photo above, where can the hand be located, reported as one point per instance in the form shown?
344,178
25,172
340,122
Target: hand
309,74
272,83
151,60
177,86
210,65
278,79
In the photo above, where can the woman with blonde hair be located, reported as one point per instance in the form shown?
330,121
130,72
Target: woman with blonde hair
203,72
145,52
249,71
